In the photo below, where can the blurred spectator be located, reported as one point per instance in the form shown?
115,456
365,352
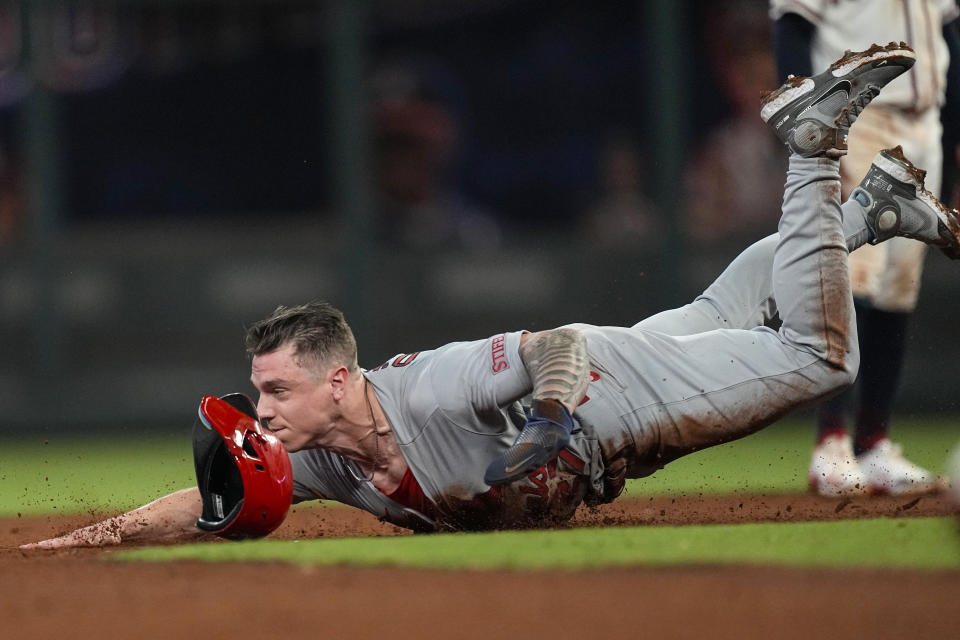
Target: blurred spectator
13,86
11,201
13,80
88,46
622,217
417,138
734,182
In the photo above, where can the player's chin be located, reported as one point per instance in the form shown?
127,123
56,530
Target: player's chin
281,434
289,441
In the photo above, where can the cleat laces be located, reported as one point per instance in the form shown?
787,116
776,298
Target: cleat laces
849,114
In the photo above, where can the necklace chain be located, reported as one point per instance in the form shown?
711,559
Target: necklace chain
376,432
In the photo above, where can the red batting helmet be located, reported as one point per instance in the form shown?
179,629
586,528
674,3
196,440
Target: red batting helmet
243,472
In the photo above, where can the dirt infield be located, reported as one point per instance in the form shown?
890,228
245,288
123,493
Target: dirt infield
76,594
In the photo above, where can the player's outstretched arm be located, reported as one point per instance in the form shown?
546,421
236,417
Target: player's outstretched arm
171,517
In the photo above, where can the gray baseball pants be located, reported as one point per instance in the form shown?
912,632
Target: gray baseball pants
715,374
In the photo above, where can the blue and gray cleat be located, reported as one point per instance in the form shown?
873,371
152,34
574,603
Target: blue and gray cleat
896,203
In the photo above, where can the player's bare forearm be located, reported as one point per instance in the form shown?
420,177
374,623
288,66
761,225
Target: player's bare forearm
557,363
171,517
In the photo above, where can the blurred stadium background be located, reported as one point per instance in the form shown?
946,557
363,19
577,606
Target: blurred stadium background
171,170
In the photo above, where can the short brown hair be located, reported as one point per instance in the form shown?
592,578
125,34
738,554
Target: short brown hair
315,329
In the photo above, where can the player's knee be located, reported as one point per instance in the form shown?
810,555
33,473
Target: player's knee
842,356
842,374
833,372
851,363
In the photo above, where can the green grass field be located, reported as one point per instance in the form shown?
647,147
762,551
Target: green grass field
67,475
919,543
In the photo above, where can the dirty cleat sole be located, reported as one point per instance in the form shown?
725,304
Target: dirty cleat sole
812,116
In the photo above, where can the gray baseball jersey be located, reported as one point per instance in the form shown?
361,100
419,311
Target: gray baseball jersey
453,409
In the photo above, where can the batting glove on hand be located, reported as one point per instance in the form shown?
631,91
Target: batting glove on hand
545,434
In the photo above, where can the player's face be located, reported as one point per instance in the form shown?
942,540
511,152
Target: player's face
295,402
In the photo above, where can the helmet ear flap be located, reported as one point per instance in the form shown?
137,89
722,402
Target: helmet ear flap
222,492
